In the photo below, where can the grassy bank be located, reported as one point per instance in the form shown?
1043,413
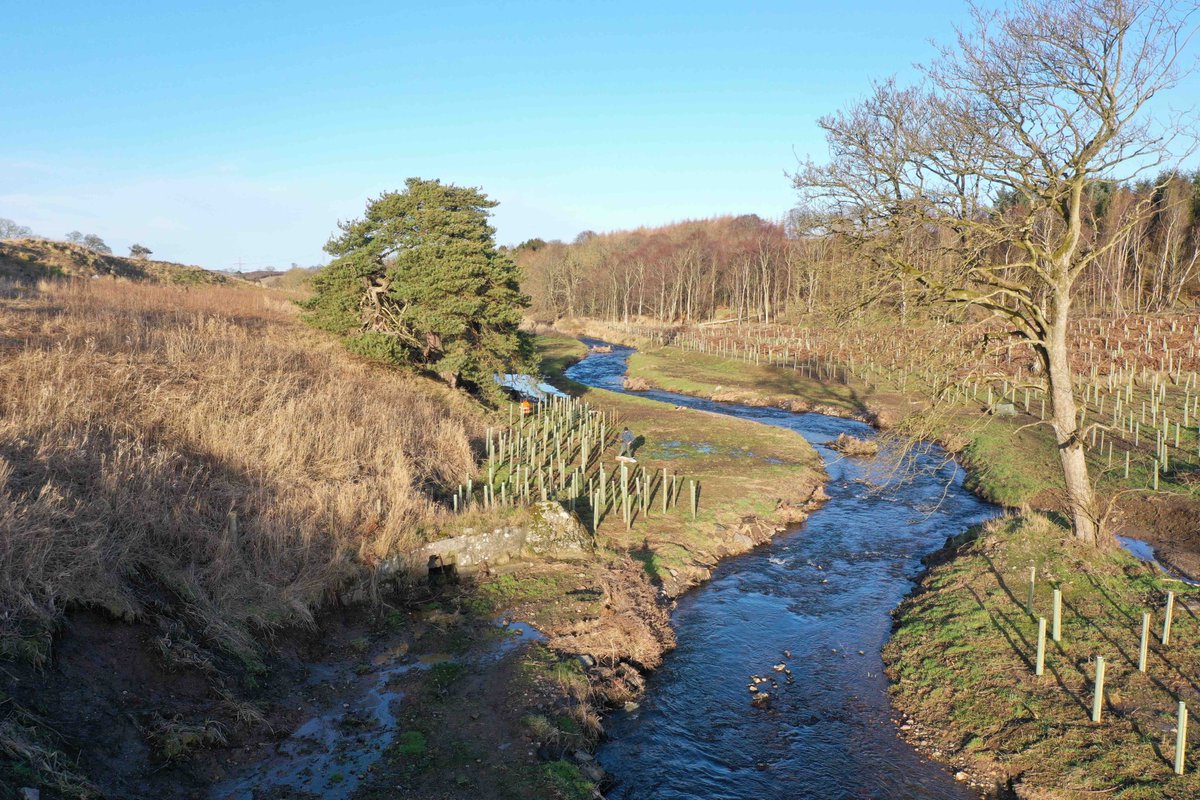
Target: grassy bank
963,652
199,452
1012,460
736,382
752,478
1004,473
193,485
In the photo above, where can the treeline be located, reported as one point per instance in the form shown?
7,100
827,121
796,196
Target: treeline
688,270
745,267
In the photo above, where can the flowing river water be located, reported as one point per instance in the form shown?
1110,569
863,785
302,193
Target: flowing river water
822,594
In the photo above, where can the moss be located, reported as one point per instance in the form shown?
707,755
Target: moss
444,675
565,780
411,744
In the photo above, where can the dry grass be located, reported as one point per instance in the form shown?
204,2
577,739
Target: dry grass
135,418
30,260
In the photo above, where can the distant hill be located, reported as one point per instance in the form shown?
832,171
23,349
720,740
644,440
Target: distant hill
37,259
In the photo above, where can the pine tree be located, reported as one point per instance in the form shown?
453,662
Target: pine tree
419,281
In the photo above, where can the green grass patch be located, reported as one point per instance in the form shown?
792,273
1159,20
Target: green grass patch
1011,468
699,374
963,651
742,469
565,780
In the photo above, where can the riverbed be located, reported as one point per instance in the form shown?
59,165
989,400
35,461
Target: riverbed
807,615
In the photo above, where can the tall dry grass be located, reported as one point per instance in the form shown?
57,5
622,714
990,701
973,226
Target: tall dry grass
134,419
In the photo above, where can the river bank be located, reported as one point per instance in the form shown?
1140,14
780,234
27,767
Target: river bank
1010,460
961,654
523,725
800,607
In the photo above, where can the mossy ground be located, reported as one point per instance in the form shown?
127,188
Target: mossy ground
963,652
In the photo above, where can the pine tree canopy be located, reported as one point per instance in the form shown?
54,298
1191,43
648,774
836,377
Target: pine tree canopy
419,281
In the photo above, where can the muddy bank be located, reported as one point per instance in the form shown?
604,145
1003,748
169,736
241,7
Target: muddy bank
1169,523
426,693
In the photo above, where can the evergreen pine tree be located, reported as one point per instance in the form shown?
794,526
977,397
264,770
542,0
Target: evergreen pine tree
419,281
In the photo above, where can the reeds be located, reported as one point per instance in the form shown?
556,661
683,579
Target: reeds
135,422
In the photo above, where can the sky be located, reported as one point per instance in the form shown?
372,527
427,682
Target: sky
237,134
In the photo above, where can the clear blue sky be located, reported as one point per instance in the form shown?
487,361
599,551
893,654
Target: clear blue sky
218,131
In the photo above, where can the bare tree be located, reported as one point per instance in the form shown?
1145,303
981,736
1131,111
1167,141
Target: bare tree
1035,104
11,230
96,244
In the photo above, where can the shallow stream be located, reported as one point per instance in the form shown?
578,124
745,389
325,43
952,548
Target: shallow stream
816,600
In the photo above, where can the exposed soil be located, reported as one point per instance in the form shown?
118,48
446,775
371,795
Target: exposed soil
1168,522
117,710
114,707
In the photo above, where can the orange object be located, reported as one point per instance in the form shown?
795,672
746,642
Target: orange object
526,408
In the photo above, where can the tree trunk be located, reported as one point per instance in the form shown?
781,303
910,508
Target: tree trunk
1081,501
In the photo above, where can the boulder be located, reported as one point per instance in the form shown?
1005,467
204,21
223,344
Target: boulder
556,533
1004,410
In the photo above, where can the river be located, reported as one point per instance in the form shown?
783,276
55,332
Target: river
816,600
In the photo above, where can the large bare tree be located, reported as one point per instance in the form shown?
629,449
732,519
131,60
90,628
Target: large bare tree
992,160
